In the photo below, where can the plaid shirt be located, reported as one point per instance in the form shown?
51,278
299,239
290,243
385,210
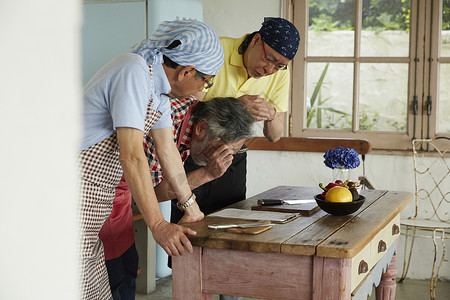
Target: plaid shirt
179,109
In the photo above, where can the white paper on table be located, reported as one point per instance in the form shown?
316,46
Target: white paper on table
235,213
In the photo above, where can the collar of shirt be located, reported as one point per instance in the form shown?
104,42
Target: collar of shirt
179,109
237,59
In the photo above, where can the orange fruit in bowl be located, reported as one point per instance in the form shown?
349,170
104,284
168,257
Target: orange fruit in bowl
338,194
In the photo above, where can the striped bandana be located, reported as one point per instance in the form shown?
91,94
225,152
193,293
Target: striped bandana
200,47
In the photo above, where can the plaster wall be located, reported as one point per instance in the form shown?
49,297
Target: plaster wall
40,103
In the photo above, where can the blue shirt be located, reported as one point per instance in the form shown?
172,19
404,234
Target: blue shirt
118,95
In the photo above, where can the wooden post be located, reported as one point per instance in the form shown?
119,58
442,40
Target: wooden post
145,246
386,289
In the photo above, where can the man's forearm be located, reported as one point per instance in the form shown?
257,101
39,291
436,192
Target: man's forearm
138,178
195,179
273,130
175,177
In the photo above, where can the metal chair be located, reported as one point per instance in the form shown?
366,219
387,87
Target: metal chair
432,203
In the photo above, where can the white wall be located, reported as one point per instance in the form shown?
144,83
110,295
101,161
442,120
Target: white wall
39,130
109,29
234,18
267,169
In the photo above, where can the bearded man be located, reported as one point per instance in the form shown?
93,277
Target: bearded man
211,133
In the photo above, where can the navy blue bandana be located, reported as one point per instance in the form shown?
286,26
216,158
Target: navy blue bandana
281,35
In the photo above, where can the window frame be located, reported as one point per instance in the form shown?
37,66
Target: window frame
423,80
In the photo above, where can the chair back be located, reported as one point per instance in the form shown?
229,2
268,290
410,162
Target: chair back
432,179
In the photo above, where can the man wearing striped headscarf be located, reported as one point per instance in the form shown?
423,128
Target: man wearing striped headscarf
125,101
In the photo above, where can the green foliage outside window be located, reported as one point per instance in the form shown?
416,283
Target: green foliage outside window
446,15
325,116
377,15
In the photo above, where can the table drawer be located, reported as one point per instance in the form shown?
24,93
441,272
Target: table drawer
369,256
361,265
384,239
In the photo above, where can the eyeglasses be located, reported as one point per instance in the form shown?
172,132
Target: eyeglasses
271,61
208,83
239,151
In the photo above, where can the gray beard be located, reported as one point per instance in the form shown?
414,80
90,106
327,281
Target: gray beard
197,148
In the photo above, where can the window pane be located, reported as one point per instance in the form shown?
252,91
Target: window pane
383,97
444,100
445,33
329,95
331,28
385,28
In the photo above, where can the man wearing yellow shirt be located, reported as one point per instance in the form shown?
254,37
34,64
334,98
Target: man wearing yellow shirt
254,71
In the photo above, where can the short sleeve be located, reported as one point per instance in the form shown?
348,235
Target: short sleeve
280,97
129,96
164,108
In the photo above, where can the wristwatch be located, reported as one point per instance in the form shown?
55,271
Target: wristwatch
186,204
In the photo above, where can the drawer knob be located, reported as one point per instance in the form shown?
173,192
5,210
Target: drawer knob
381,246
395,229
363,267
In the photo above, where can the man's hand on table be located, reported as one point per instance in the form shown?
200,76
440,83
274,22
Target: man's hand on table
172,238
192,214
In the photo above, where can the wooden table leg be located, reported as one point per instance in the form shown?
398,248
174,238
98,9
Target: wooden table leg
187,277
331,278
386,289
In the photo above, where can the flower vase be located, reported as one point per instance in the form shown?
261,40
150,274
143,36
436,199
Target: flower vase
341,174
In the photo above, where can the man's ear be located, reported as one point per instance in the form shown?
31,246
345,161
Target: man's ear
256,38
186,72
200,129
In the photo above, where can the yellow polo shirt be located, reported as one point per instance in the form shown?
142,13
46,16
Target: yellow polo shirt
232,79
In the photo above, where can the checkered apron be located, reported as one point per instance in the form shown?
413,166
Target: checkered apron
100,174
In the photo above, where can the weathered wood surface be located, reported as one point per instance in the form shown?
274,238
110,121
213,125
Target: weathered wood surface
308,144
349,240
319,234
326,226
331,278
188,287
263,275
307,258
269,241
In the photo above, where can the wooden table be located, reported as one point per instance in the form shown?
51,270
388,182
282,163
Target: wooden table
316,257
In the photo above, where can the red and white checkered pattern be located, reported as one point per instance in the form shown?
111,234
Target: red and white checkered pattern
100,174
179,109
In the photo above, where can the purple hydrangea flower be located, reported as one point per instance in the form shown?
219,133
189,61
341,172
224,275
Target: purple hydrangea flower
341,158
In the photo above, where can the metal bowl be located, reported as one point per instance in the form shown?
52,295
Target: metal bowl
339,208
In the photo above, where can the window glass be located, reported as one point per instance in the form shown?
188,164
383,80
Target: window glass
383,97
329,95
370,71
445,32
444,100
331,28
385,28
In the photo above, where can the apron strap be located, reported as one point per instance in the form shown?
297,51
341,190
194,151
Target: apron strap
185,123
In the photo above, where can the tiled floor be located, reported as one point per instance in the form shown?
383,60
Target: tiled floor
408,290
